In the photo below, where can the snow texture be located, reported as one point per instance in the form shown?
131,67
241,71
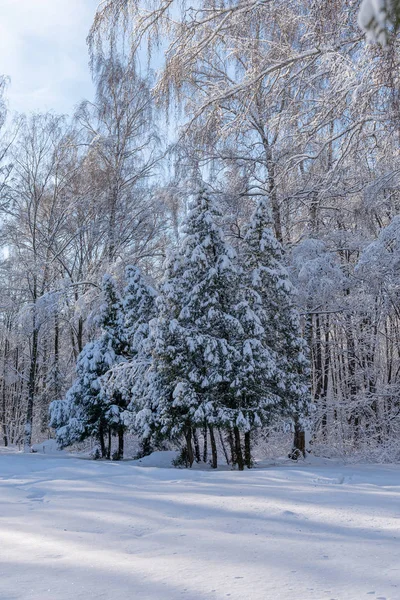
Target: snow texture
373,19
85,530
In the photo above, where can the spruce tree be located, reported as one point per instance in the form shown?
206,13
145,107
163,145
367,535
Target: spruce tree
139,303
271,296
87,410
212,367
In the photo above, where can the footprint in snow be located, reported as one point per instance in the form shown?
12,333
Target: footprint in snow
324,481
36,495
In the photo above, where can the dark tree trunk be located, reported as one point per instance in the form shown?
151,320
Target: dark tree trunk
214,454
205,448
326,367
79,332
238,449
189,447
57,383
299,441
120,443
109,444
3,400
196,445
31,389
247,450
80,335
146,447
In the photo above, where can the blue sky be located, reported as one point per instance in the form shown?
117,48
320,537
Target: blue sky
43,50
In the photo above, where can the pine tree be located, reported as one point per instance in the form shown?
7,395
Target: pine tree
87,410
211,365
139,303
271,296
134,376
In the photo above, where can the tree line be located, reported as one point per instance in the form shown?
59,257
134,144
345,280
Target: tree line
219,349
274,102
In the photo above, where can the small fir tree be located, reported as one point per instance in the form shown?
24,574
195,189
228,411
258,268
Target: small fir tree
87,410
133,377
271,296
139,304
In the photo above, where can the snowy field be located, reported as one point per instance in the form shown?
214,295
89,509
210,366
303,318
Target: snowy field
78,529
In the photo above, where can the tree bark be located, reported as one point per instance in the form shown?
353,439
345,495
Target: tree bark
189,447
57,383
4,408
146,447
205,448
31,389
109,444
272,190
299,441
238,449
232,447
120,443
225,451
102,442
214,454
196,445
247,450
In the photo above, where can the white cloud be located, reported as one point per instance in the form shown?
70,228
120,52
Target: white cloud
43,50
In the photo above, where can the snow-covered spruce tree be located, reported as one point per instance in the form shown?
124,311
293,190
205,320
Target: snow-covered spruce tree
130,378
270,294
87,410
212,367
139,303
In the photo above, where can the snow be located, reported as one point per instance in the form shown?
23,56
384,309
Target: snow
373,17
46,447
157,459
79,529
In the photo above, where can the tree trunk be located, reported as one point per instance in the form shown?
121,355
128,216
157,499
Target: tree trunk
112,224
214,454
56,366
272,191
238,449
146,447
232,447
109,444
189,447
354,419
205,448
247,450
196,445
3,400
299,441
225,451
120,443
31,389
326,368
80,335
102,442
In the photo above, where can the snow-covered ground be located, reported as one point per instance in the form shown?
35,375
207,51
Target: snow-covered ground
79,529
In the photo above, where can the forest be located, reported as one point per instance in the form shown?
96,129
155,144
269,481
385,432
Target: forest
206,255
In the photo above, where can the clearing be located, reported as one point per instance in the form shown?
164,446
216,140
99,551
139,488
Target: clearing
77,529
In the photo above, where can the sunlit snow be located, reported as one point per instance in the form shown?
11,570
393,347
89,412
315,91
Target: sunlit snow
77,529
